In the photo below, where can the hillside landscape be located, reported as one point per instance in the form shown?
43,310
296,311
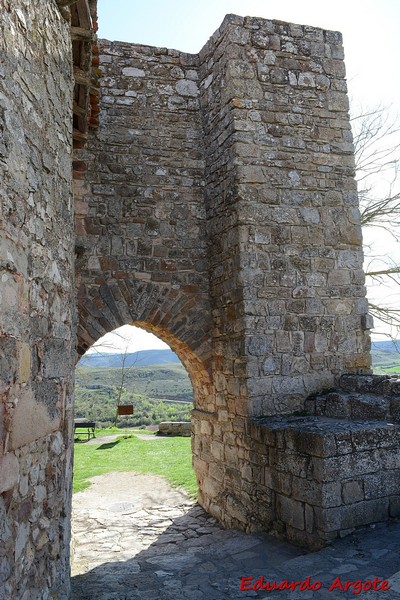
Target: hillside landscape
154,381
386,357
158,385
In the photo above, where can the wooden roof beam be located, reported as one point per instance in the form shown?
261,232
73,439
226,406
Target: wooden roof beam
85,17
80,111
65,3
79,136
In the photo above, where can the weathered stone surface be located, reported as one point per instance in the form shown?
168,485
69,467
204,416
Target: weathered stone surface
9,472
215,206
180,428
36,299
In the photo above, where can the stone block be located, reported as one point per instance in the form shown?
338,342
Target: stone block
211,487
389,458
394,507
277,481
217,472
175,428
310,443
9,472
25,363
217,450
352,491
353,515
290,511
289,462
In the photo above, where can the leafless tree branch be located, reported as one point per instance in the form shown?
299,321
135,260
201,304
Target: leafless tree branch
376,134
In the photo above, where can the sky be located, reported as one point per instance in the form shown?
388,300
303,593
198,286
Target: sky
370,29
371,37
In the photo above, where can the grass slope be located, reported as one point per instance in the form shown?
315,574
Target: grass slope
169,457
386,357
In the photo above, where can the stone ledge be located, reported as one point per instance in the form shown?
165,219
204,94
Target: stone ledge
323,436
180,428
356,406
381,385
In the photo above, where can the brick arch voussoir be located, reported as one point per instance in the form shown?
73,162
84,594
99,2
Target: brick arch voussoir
180,319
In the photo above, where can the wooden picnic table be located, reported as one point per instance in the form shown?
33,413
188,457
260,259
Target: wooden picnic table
88,426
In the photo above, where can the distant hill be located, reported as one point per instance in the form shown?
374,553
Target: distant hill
142,358
386,357
387,346
384,354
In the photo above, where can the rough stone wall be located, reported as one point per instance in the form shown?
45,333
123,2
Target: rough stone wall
216,206
285,237
36,293
140,215
286,280
332,471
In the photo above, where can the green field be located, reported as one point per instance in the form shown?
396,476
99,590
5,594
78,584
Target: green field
386,359
169,457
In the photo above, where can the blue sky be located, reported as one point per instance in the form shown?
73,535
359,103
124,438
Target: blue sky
371,31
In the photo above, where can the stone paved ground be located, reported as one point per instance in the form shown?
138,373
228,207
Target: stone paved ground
135,537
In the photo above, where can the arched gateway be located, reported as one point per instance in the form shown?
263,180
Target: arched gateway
215,205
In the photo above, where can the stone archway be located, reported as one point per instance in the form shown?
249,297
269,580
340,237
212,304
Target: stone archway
169,314
216,201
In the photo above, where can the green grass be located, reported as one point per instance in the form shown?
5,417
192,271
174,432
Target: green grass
169,457
395,369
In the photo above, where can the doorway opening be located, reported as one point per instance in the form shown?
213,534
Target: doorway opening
126,476
131,378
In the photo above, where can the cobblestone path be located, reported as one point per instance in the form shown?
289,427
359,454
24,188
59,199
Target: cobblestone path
137,538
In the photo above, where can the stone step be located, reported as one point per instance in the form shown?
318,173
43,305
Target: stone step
359,397
379,385
356,406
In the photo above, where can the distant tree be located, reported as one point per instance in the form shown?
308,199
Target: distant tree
126,363
377,151
124,368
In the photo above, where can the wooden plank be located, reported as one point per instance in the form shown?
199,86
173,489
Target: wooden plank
81,34
79,136
80,77
85,19
79,110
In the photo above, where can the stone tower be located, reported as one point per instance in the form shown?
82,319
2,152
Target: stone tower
215,205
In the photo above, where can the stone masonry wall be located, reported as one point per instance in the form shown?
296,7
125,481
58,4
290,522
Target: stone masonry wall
286,281
216,206
36,294
285,236
140,215
332,471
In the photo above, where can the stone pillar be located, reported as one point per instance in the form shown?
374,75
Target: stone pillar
36,300
286,268
286,279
